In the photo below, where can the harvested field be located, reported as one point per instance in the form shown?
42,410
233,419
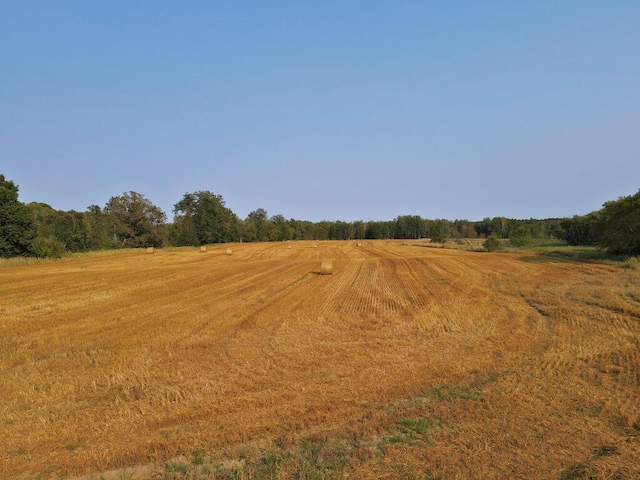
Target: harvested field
406,362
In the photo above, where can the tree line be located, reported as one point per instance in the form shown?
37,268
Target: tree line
131,220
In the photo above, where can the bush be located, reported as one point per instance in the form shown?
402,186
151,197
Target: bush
48,247
521,237
633,263
492,244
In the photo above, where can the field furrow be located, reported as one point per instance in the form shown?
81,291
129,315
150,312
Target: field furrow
407,361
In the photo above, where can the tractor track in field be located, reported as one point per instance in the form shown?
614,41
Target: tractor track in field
336,284
520,365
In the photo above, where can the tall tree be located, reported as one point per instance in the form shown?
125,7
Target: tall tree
618,228
467,230
410,226
202,218
501,227
440,229
282,229
17,232
135,221
99,229
258,226
60,230
341,231
578,230
359,229
380,230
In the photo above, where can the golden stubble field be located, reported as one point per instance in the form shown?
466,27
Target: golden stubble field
407,362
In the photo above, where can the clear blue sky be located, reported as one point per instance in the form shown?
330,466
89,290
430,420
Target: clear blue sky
337,110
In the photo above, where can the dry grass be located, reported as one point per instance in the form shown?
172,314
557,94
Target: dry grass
406,362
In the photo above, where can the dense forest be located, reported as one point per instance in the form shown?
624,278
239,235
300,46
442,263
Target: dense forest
131,220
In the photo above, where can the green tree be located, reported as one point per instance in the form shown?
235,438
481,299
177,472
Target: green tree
410,226
98,226
134,221
618,228
341,231
521,236
492,243
182,232
501,226
299,229
202,218
483,227
45,221
359,230
58,231
578,230
465,229
17,232
440,229
282,230
257,226
380,230
71,231
321,230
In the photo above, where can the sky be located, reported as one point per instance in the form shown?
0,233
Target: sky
324,110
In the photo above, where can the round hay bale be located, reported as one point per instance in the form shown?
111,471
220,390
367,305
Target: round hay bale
326,267
203,248
229,251
358,244
151,250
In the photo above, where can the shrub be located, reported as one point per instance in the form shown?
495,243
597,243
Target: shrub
492,244
521,237
633,263
49,247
